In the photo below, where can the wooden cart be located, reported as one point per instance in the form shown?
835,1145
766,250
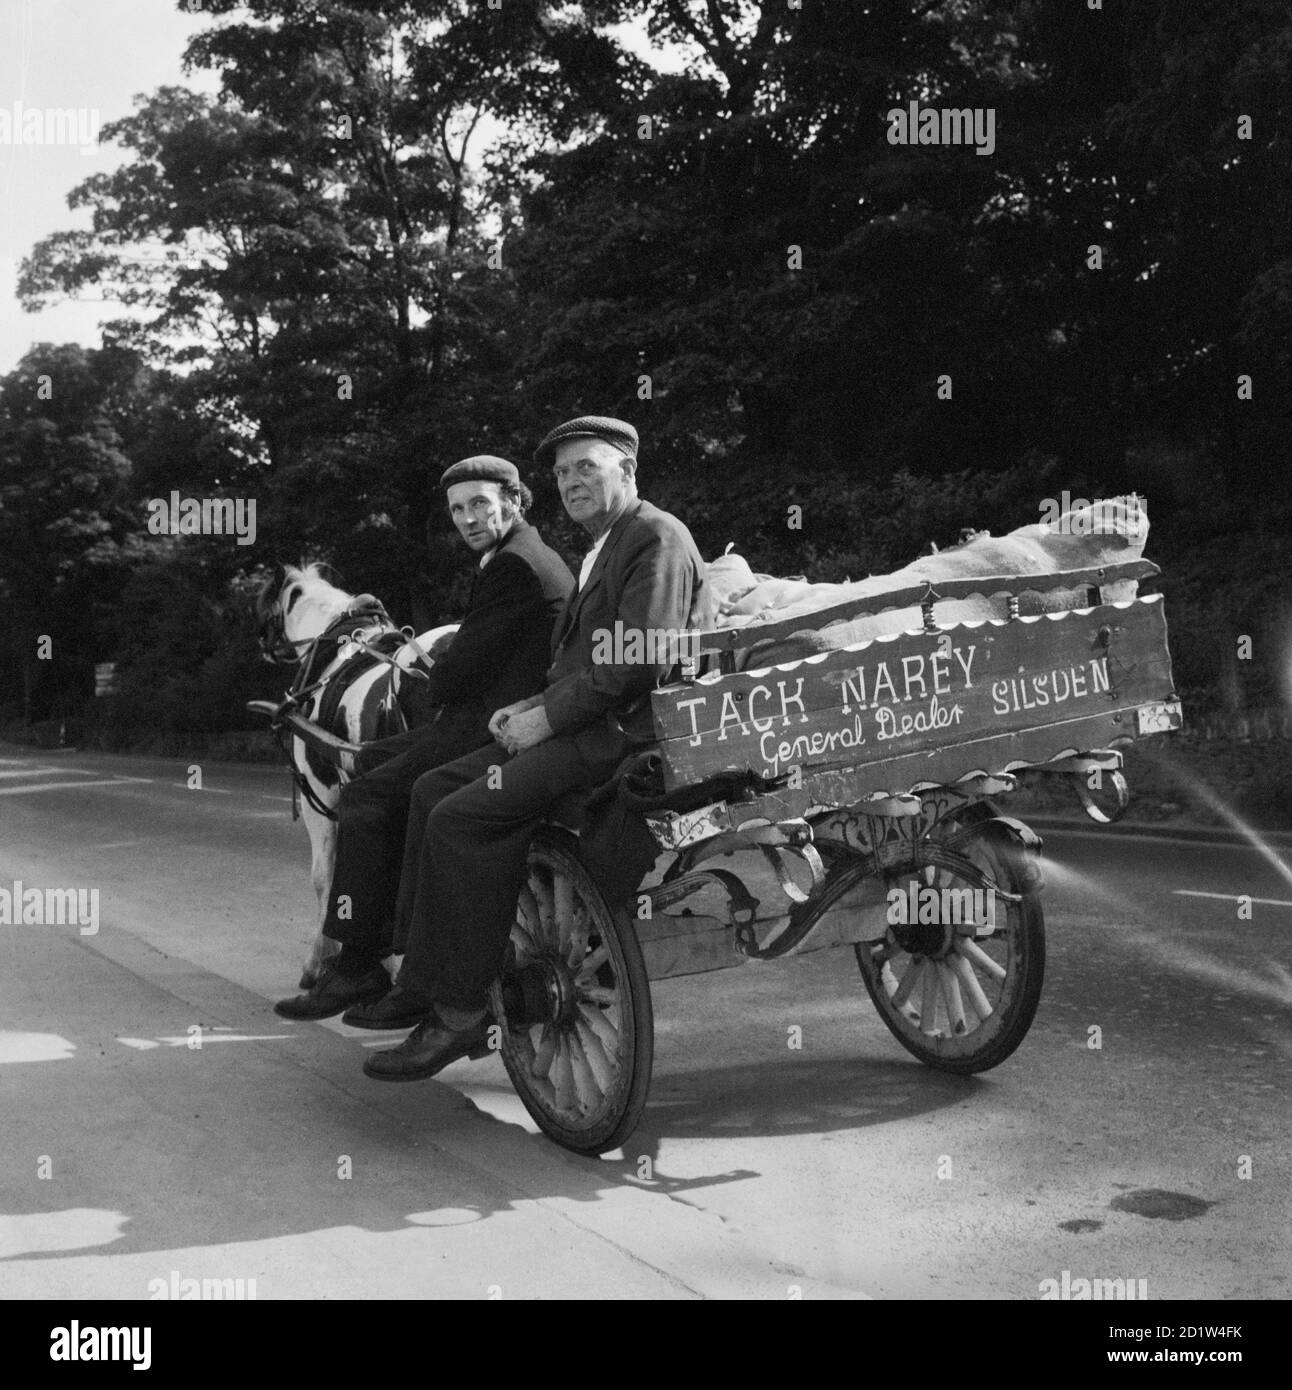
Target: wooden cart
866,782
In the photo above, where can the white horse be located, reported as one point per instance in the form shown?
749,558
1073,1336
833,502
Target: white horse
352,663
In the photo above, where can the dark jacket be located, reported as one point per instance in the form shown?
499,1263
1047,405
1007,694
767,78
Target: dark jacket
648,576
502,648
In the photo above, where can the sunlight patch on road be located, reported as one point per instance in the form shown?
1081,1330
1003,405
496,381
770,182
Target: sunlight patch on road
34,1047
78,1228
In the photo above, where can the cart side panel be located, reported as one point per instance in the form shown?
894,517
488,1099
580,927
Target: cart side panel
975,696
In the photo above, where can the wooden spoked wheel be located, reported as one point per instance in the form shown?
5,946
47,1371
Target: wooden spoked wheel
574,1001
957,992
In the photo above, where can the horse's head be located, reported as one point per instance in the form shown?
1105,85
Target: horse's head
293,607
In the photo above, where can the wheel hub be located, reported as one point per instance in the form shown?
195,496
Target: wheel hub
920,938
541,991
924,938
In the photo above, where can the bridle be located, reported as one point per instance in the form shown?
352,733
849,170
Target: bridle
274,643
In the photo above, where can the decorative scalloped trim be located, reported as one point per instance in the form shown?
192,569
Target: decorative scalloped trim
1018,765
713,677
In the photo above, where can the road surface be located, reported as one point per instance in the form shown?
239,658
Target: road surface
841,1169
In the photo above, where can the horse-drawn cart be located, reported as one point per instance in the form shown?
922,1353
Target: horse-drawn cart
865,778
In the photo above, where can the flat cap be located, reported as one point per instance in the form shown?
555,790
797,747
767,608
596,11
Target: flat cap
484,467
618,433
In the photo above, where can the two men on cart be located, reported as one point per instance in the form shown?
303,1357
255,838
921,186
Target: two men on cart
470,819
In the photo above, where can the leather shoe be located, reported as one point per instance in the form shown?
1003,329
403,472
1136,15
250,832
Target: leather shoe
397,1009
429,1048
334,993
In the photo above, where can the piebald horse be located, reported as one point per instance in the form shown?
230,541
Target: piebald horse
353,665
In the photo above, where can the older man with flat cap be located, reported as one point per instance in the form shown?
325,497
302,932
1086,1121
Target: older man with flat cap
498,654
463,871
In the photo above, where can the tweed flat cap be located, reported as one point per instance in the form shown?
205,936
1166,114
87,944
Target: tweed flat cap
618,433
484,467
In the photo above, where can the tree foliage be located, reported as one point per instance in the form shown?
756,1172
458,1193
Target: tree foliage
408,230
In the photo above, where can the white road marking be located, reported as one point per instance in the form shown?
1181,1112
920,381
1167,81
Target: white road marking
118,844
184,786
143,1044
1229,897
265,797
60,786
26,769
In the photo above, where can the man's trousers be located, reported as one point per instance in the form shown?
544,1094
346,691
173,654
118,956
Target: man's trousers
371,819
469,827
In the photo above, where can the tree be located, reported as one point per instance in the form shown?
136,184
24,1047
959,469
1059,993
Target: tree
67,530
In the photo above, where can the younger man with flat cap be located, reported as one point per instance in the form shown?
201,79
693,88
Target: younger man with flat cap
469,831
498,654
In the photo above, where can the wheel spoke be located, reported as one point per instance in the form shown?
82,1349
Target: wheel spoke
597,994
951,997
578,938
908,982
562,898
528,918
599,1060
542,1087
605,1031
586,1083
544,1053
978,1001
546,910
929,1001
564,912
975,953
563,1076
590,963
522,939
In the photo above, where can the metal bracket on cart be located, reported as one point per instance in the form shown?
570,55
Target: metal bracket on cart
774,839
742,906
716,829
1078,768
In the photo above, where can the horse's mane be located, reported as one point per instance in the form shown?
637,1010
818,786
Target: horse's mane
310,572
303,584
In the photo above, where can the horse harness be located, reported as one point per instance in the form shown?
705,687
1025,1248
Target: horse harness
361,615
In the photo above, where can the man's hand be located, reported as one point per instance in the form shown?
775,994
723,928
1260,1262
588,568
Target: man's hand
525,729
501,717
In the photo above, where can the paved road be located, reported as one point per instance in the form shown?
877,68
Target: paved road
843,1169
